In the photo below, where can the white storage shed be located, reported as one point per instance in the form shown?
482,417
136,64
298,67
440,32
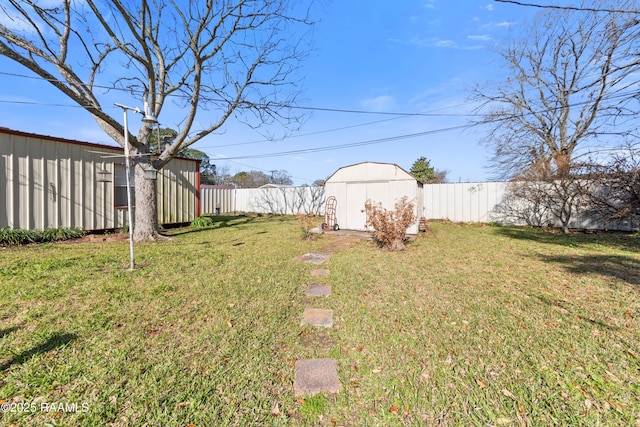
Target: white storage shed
386,183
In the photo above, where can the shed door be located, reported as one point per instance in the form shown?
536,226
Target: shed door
357,195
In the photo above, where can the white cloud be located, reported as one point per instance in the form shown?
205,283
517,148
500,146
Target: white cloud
445,43
481,37
505,24
430,4
489,7
449,44
379,103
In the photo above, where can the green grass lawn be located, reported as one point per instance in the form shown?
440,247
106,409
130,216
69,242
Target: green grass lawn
475,325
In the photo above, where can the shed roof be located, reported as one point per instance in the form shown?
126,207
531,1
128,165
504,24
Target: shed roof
7,131
372,171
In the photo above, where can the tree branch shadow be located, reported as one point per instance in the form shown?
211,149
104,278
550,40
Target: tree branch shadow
615,240
7,331
55,341
219,221
620,267
566,306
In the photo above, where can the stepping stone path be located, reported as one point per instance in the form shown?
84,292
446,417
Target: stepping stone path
314,376
313,258
320,272
318,290
317,317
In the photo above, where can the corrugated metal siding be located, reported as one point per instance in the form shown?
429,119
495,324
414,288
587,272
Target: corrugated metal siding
50,183
459,202
283,201
217,200
463,202
176,187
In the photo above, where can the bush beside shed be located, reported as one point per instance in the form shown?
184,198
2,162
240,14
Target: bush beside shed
379,182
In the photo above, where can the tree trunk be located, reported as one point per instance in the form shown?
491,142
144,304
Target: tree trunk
146,211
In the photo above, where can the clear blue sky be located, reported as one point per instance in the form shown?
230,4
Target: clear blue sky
376,56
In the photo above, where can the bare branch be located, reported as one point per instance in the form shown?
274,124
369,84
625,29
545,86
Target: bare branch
569,84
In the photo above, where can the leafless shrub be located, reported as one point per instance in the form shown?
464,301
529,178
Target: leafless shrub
390,227
306,223
614,191
540,202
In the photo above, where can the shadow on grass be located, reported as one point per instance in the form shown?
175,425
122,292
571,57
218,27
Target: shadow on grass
615,240
620,267
55,341
552,302
219,221
7,331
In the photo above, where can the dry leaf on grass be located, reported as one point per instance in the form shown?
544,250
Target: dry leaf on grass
508,393
276,410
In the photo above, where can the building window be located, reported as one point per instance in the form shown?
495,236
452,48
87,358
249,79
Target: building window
120,187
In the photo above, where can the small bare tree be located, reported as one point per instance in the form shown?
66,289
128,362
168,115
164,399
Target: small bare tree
390,227
614,191
545,202
213,60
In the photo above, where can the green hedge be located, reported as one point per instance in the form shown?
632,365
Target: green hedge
11,237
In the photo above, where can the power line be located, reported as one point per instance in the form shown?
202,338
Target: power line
304,134
400,137
383,113
575,8
296,107
4,101
349,145
396,115
261,170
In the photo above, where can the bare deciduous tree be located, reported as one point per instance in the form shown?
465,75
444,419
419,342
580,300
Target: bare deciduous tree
570,84
570,89
213,60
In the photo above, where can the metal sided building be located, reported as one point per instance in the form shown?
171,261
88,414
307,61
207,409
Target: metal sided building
386,183
48,182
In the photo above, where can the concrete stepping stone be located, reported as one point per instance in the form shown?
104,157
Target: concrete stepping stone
320,272
318,341
318,290
314,376
317,317
313,258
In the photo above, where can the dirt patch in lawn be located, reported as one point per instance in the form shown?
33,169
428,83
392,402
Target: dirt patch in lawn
316,340
99,238
344,241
